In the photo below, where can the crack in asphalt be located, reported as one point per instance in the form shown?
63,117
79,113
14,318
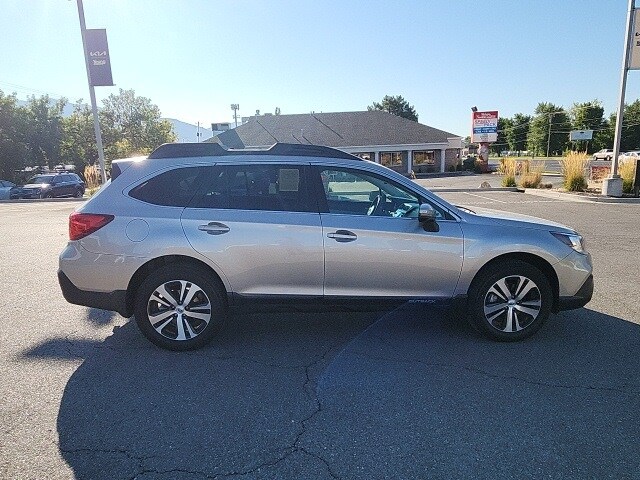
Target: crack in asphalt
309,387
311,391
499,376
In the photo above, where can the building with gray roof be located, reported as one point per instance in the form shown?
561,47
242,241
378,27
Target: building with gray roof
396,142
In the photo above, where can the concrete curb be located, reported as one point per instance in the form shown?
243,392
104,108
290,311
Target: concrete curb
47,200
484,190
574,197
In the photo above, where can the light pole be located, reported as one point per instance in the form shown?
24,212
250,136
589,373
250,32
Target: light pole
92,93
235,107
612,186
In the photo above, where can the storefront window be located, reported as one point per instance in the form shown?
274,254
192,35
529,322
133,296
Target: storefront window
424,158
391,159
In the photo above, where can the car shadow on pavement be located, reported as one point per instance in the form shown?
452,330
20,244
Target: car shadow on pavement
412,393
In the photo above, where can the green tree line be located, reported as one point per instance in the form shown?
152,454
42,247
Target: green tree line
37,133
549,126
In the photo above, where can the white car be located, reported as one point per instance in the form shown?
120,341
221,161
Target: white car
5,188
604,154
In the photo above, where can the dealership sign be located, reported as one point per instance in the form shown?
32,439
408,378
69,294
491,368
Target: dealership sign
98,58
634,63
485,127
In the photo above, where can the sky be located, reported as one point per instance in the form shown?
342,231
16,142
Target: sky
194,58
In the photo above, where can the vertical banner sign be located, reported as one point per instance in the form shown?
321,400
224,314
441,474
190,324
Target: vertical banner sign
98,57
485,127
634,63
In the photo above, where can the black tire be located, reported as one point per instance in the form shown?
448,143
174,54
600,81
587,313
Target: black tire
78,193
174,328
48,195
501,315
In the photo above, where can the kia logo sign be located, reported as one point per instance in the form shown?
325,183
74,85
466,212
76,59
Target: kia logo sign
97,55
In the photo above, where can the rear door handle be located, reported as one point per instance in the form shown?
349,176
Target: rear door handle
342,236
214,228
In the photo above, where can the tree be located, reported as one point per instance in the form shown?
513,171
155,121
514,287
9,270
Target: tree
78,146
13,132
548,117
504,125
517,132
397,106
132,125
44,130
588,116
630,135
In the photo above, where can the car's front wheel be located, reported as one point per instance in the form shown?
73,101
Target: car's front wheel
509,301
179,307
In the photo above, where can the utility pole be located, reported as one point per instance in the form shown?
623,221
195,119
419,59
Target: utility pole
612,186
92,93
235,107
549,136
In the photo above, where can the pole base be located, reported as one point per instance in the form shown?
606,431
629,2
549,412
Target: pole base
612,187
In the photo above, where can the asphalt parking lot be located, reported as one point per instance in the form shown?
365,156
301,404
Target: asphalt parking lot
412,393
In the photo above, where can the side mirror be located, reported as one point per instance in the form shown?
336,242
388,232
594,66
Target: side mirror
427,218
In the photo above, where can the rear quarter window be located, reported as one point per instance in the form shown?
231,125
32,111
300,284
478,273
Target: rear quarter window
174,188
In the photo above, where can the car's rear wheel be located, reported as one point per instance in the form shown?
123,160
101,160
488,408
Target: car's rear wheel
179,307
78,193
509,301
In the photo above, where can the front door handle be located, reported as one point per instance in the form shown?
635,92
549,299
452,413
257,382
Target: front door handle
342,236
214,228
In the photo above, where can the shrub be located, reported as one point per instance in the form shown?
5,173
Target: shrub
573,168
508,167
92,177
532,178
627,171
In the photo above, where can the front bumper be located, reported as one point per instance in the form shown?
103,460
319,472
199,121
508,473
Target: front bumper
115,301
580,299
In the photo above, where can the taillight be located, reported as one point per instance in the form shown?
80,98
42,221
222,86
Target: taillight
83,224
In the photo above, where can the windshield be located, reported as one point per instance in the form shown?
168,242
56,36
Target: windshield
41,179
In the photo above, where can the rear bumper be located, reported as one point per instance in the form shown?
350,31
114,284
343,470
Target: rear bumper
580,299
114,301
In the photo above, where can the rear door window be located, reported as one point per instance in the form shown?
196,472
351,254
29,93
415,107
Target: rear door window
255,187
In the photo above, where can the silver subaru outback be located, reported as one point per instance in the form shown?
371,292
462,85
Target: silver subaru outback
178,238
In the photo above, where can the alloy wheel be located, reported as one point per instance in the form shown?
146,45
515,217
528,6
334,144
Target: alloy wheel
179,310
512,303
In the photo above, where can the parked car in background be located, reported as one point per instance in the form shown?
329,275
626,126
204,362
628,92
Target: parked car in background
5,189
604,154
632,155
179,237
51,185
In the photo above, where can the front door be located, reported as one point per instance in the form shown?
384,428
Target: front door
374,245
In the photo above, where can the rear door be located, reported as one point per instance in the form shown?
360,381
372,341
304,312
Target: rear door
374,245
260,225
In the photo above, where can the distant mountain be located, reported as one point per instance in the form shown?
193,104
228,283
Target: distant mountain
186,132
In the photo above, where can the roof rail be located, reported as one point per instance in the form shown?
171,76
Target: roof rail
176,150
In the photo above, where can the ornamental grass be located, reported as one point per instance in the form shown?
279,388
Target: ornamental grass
574,167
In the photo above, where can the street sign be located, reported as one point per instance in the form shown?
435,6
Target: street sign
484,127
580,135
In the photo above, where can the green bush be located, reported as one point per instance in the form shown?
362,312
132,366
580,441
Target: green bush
509,181
575,183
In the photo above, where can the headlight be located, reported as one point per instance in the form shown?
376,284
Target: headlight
574,240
